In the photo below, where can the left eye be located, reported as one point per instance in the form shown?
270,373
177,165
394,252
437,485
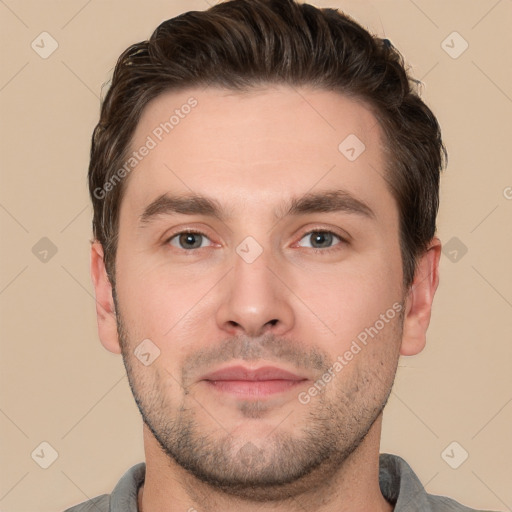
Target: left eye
320,239
188,240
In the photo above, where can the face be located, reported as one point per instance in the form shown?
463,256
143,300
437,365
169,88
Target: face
271,305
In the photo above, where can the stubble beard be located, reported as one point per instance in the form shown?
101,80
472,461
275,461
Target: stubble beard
279,466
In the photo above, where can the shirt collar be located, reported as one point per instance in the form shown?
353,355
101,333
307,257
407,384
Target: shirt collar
398,484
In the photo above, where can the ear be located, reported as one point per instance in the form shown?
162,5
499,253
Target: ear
419,300
105,309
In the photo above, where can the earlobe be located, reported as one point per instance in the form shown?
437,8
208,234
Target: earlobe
105,309
419,300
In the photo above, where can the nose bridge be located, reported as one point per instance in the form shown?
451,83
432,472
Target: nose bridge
255,299
251,268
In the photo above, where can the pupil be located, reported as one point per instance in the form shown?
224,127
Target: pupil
187,239
322,237
319,238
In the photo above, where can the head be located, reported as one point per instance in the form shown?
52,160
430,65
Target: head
261,119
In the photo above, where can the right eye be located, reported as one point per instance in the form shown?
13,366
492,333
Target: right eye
187,240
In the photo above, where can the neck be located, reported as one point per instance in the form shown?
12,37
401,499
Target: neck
352,485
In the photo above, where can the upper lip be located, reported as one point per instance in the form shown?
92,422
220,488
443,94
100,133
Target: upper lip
252,374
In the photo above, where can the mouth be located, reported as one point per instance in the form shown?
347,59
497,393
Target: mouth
253,383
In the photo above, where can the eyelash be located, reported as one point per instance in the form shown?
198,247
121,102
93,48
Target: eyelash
336,247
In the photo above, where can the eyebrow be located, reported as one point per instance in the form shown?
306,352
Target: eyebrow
328,201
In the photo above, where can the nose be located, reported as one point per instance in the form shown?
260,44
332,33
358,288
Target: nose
255,299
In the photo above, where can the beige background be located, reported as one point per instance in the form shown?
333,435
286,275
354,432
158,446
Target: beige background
60,386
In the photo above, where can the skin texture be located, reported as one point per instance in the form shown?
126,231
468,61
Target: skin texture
294,308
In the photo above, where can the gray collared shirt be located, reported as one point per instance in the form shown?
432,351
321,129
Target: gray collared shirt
398,484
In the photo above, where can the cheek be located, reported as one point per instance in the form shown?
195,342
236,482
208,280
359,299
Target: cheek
159,302
350,299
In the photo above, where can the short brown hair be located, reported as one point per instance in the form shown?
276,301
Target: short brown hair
241,44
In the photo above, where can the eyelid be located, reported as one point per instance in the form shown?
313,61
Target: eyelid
326,250
343,236
318,229
195,231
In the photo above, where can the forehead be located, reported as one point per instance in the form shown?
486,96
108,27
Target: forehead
254,148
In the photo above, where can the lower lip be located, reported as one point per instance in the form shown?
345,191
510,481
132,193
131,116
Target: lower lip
254,388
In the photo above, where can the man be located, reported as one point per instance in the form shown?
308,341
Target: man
265,189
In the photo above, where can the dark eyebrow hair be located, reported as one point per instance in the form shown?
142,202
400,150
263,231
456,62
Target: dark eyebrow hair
311,202
329,201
